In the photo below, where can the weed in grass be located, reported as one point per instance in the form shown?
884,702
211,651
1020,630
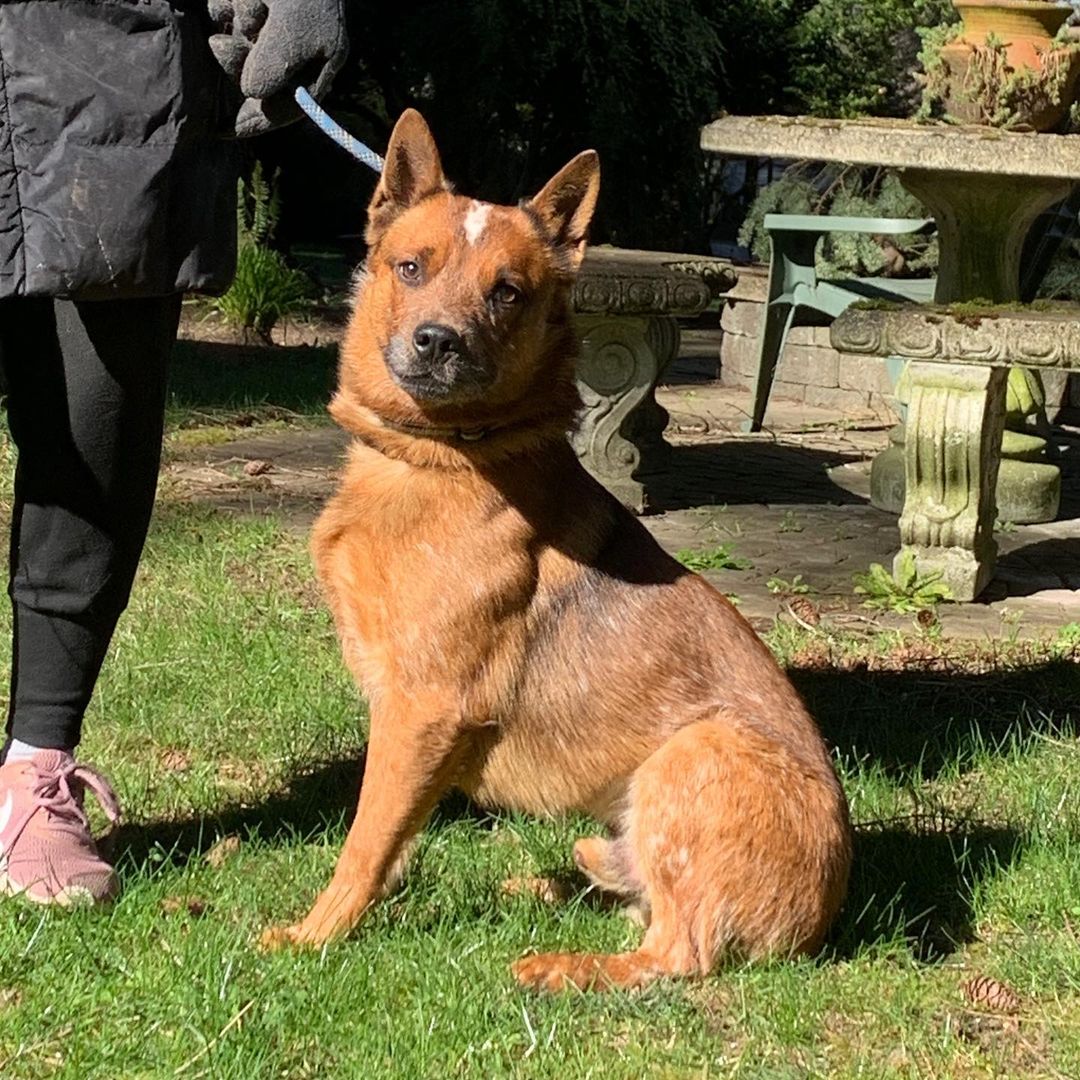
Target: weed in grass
720,557
778,586
906,593
1067,639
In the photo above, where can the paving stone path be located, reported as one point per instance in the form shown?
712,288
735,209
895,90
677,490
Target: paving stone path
792,502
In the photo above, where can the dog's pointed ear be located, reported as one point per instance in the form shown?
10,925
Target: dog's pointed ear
566,203
411,171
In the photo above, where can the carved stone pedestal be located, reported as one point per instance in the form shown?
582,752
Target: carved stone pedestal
955,420
625,305
982,221
620,436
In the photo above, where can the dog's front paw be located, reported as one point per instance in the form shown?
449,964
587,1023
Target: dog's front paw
546,971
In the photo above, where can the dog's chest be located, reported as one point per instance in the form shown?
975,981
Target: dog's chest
426,585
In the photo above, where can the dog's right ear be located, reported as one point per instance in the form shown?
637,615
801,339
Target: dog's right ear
566,204
411,171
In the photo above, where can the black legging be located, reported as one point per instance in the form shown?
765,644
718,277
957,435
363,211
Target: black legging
86,399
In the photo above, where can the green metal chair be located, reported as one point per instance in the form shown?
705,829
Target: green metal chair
797,295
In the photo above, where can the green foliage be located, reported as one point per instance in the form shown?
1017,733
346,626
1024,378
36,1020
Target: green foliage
258,206
793,193
512,91
1062,281
266,289
906,593
932,38
717,558
846,191
853,59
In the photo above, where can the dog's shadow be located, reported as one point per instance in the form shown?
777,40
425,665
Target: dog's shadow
914,876
912,883
317,799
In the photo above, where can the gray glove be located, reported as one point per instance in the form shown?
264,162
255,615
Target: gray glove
270,47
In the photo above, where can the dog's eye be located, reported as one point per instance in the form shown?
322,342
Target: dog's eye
506,294
409,271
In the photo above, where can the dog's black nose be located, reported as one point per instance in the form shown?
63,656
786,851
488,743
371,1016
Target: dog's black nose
434,342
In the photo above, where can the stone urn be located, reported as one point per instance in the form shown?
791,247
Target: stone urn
1006,67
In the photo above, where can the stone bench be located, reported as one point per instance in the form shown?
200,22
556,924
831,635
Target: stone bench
957,374
626,307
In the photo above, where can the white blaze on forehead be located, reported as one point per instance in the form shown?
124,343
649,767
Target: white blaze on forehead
476,220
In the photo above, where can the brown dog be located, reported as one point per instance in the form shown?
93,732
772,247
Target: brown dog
519,634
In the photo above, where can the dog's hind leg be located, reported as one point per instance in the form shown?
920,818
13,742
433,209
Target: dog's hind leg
606,866
665,951
740,847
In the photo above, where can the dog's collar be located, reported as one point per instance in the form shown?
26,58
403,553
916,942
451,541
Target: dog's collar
430,431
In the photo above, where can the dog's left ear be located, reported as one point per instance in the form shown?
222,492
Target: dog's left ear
566,204
412,170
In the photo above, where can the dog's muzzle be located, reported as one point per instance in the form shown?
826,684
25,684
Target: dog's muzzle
436,364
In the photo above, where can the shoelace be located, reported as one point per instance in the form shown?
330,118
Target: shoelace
55,791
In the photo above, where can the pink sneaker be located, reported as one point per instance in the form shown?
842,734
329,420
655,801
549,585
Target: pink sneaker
46,851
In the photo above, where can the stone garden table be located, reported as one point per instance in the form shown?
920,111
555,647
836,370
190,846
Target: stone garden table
985,188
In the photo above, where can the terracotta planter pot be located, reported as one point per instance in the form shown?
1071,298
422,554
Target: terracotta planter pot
1027,29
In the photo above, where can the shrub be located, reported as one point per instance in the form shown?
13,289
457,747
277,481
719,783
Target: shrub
848,191
266,289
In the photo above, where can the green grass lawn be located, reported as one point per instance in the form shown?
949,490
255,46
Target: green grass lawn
224,712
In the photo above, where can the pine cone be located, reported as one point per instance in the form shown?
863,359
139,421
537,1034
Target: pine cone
804,609
988,993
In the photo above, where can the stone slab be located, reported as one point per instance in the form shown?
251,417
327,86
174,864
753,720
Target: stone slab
898,144
997,338
809,365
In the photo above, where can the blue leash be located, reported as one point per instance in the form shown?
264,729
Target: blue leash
336,132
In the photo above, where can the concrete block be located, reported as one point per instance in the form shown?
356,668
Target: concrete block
809,365
738,356
789,391
753,284
735,379
742,317
884,407
816,336
863,373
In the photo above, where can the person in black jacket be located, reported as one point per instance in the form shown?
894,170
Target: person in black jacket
117,195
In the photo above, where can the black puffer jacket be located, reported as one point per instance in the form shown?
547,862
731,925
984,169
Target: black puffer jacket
114,180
